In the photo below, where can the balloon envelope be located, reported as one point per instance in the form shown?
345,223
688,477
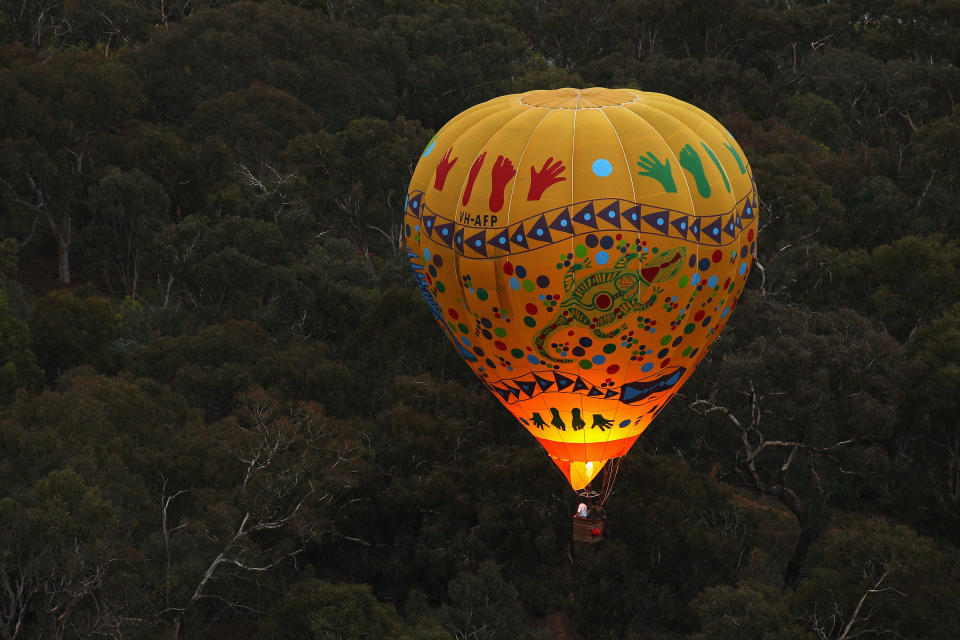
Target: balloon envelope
582,249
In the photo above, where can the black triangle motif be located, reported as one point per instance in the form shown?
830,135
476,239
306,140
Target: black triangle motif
695,229
529,387
680,224
747,211
632,215
562,222
544,384
413,204
428,224
503,393
580,384
562,381
659,220
501,240
478,242
519,237
445,233
611,214
458,240
712,230
730,227
587,216
594,392
540,231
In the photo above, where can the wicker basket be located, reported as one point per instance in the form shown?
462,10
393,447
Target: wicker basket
587,530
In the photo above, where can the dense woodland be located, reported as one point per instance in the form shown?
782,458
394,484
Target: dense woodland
226,412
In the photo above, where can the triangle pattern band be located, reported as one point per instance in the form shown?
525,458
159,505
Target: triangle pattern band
600,215
532,384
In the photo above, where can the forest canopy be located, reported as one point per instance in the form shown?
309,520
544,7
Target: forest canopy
225,410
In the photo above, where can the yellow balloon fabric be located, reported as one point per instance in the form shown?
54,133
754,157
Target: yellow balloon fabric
582,249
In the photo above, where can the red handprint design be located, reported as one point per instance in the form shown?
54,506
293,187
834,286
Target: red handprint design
474,172
500,175
443,168
548,175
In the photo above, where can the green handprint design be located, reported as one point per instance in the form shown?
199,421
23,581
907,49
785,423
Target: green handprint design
716,161
600,421
577,421
736,156
690,160
538,421
557,421
653,168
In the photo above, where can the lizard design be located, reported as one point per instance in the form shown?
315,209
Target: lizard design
601,299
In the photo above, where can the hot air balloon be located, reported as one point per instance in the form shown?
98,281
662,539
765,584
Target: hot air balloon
582,249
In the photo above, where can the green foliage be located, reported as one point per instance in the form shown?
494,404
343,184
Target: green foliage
482,605
68,331
904,284
931,496
320,610
875,576
356,179
8,258
816,117
128,210
474,69
18,364
59,539
745,612
294,50
55,120
255,122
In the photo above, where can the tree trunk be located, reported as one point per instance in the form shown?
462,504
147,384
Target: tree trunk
64,260
62,235
811,527
809,532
